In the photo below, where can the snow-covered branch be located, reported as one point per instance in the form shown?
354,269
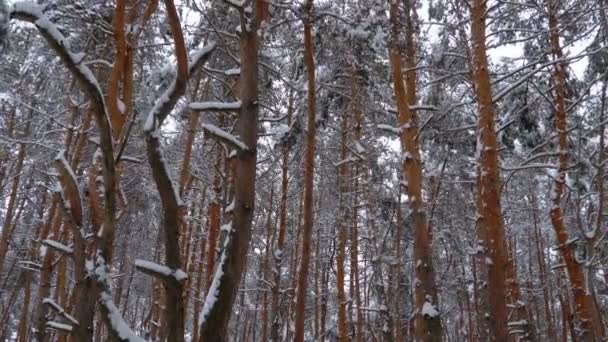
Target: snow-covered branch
70,191
119,328
59,310
59,326
58,246
168,99
215,106
221,135
389,128
227,72
160,271
33,13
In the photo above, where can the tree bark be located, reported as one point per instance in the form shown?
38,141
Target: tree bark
582,300
427,322
215,319
491,254
308,175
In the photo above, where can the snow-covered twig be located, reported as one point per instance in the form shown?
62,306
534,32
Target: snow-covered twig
225,137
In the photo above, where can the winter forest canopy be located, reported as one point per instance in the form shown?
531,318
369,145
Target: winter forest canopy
300,170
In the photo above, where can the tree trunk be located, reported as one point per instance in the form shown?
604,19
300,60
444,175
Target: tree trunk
427,321
491,254
308,175
232,265
278,254
582,300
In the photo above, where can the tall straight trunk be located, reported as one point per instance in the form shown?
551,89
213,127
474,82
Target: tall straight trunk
343,219
354,233
491,253
427,321
294,263
278,254
308,175
266,270
582,299
214,325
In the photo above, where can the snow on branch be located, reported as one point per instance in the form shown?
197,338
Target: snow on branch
389,128
228,72
163,106
59,310
160,271
58,246
348,160
119,327
70,192
429,310
33,13
215,106
225,137
235,3
59,326
169,97
214,289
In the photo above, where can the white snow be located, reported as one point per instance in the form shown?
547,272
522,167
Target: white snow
226,227
230,208
429,310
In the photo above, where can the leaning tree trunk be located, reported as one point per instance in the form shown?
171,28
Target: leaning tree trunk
582,300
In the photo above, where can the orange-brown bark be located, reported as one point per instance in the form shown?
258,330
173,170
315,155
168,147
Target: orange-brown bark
491,254
308,175
582,300
427,326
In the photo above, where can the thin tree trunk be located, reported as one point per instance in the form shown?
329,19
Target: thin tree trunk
343,218
427,321
278,254
308,175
